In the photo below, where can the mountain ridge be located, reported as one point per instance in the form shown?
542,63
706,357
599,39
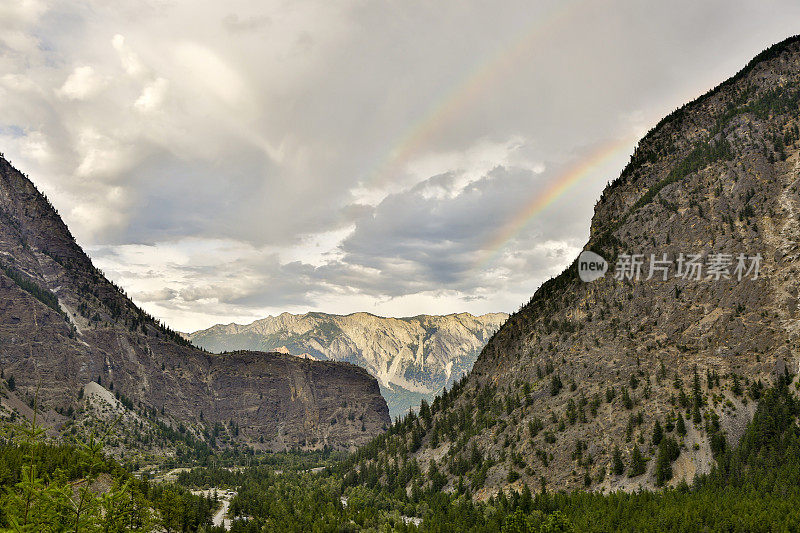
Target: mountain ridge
412,357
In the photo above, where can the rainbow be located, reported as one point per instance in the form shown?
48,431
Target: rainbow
460,95
555,189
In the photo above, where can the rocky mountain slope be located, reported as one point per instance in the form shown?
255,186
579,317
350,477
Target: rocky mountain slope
412,358
64,325
621,383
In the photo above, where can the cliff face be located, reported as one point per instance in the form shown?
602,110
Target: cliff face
584,368
412,358
62,325
298,403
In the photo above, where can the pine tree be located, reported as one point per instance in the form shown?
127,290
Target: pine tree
668,451
681,426
736,388
425,413
626,399
697,398
670,422
637,466
555,385
658,433
617,466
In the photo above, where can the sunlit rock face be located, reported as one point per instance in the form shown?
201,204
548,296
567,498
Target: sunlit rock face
412,358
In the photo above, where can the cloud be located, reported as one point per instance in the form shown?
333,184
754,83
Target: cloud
209,73
83,83
130,61
411,246
99,155
342,156
16,21
233,23
418,241
158,295
152,95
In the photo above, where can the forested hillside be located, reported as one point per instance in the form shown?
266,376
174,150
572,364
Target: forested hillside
753,487
51,486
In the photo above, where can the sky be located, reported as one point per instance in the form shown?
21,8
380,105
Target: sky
224,161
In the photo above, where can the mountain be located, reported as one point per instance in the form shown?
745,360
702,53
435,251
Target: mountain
627,383
412,358
63,325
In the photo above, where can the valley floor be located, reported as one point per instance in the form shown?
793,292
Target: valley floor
753,487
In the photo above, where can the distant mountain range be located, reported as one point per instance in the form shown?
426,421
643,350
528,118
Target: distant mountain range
412,358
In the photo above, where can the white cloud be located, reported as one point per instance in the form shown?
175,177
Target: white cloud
34,146
152,95
157,295
128,58
108,211
81,84
100,155
16,20
209,74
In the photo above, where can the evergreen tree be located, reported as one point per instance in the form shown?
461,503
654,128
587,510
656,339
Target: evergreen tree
425,412
681,426
658,433
627,401
555,385
736,388
668,451
617,466
638,465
